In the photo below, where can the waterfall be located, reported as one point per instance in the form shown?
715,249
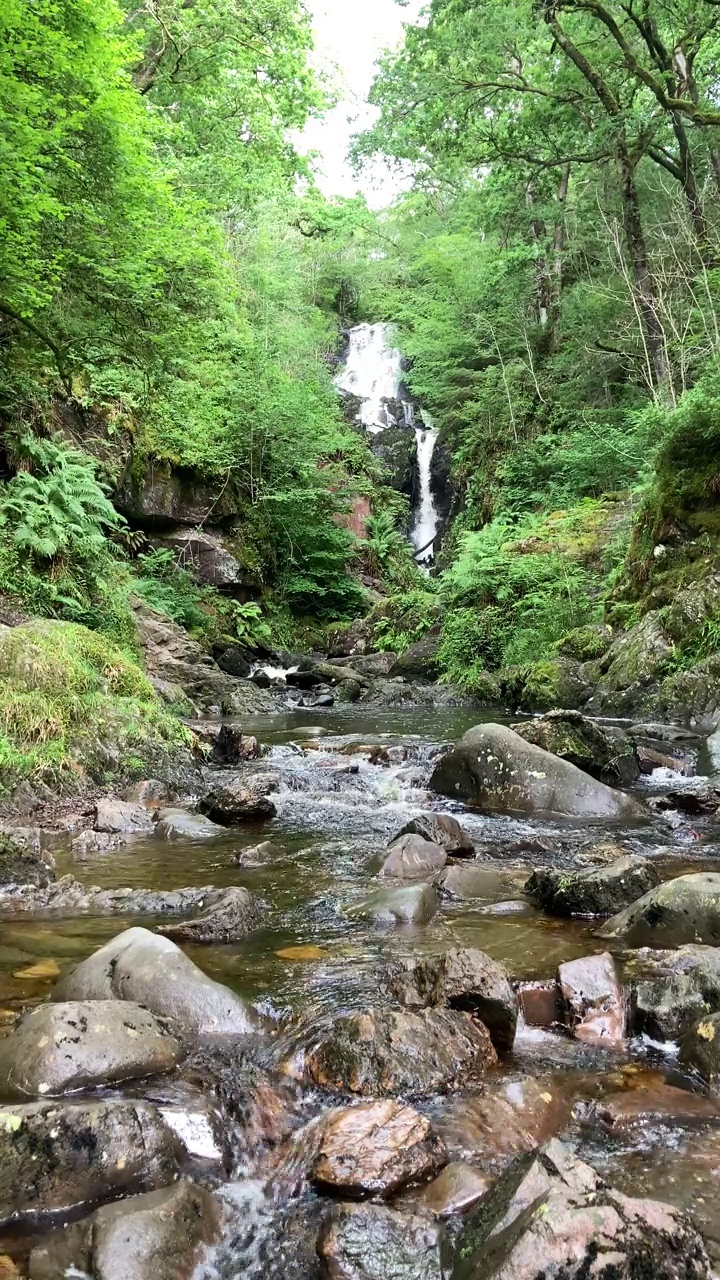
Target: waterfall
373,372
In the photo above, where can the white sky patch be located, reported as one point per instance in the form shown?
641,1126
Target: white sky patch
348,40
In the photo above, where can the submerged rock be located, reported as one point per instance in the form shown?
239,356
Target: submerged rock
510,1117
605,752
61,1155
156,1236
594,1003
496,770
657,1104
683,910
69,896
146,969
597,891
685,990
372,1242
412,858
454,1191
442,829
230,920
375,1148
414,905
465,979
56,1048
551,1215
387,1052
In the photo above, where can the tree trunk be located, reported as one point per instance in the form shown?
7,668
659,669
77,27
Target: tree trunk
637,254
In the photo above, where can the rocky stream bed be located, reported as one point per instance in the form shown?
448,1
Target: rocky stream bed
385,996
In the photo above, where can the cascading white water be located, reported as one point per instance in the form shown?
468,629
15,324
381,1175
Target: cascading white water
373,372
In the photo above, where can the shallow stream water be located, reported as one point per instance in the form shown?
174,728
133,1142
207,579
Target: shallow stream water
330,835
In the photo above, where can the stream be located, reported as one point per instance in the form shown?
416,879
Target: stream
336,814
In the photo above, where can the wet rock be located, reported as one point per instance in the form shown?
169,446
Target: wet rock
540,1003
22,866
472,881
150,970
243,1092
372,1242
156,1236
454,1191
650,759
179,824
685,990
595,892
70,896
605,752
412,858
152,793
496,770
60,1155
303,679
464,979
258,855
414,905
231,920
91,842
115,816
420,659
236,803
551,1211
700,1049
593,998
683,910
657,1104
375,1148
694,798
234,660
386,1052
510,1117
442,829
231,746
57,1048
245,699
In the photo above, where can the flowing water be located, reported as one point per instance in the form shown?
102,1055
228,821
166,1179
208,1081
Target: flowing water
336,813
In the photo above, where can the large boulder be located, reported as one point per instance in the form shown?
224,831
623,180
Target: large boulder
415,904
550,1215
56,1048
683,988
122,816
156,1236
207,558
176,664
384,1052
374,1242
61,1155
635,661
465,979
375,1148
153,492
593,891
683,910
146,969
20,865
235,803
605,752
494,769
420,659
593,999
412,858
229,921
442,829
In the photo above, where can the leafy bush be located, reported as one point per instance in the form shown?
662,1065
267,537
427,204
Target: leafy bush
172,591
404,618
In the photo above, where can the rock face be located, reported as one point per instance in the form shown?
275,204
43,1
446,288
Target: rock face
178,824
412,858
685,990
117,816
634,662
56,1048
372,1242
415,905
683,910
156,1236
700,1049
600,891
166,493
231,921
177,666
384,1052
375,1148
23,866
141,967
207,559
495,770
606,753
58,1155
467,980
442,829
236,803
595,1009
550,1215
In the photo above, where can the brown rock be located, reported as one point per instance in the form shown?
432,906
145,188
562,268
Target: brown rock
236,803
442,829
373,1242
454,1191
510,1117
594,1005
375,1148
117,816
540,1003
661,1102
464,978
229,920
152,793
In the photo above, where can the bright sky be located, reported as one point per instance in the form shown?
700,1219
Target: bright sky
349,36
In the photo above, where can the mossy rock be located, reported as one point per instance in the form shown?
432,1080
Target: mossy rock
586,643
553,682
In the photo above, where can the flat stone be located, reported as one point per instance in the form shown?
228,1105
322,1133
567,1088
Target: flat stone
57,1048
384,1052
156,1236
415,904
472,880
412,858
442,829
510,1117
179,824
373,1242
640,1108
146,969
595,1008
230,920
121,816
540,1003
463,978
375,1148
61,1155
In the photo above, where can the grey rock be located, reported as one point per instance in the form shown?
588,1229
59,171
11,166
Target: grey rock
206,556
596,891
179,824
470,880
151,792
415,904
495,770
58,1048
91,842
373,1242
235,803
150,970
70,896
420,659
20,865
604,751
683,990
412,858
700,1050
112,815
686,909
229,921
442,829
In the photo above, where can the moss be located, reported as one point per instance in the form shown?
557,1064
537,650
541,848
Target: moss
585,643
